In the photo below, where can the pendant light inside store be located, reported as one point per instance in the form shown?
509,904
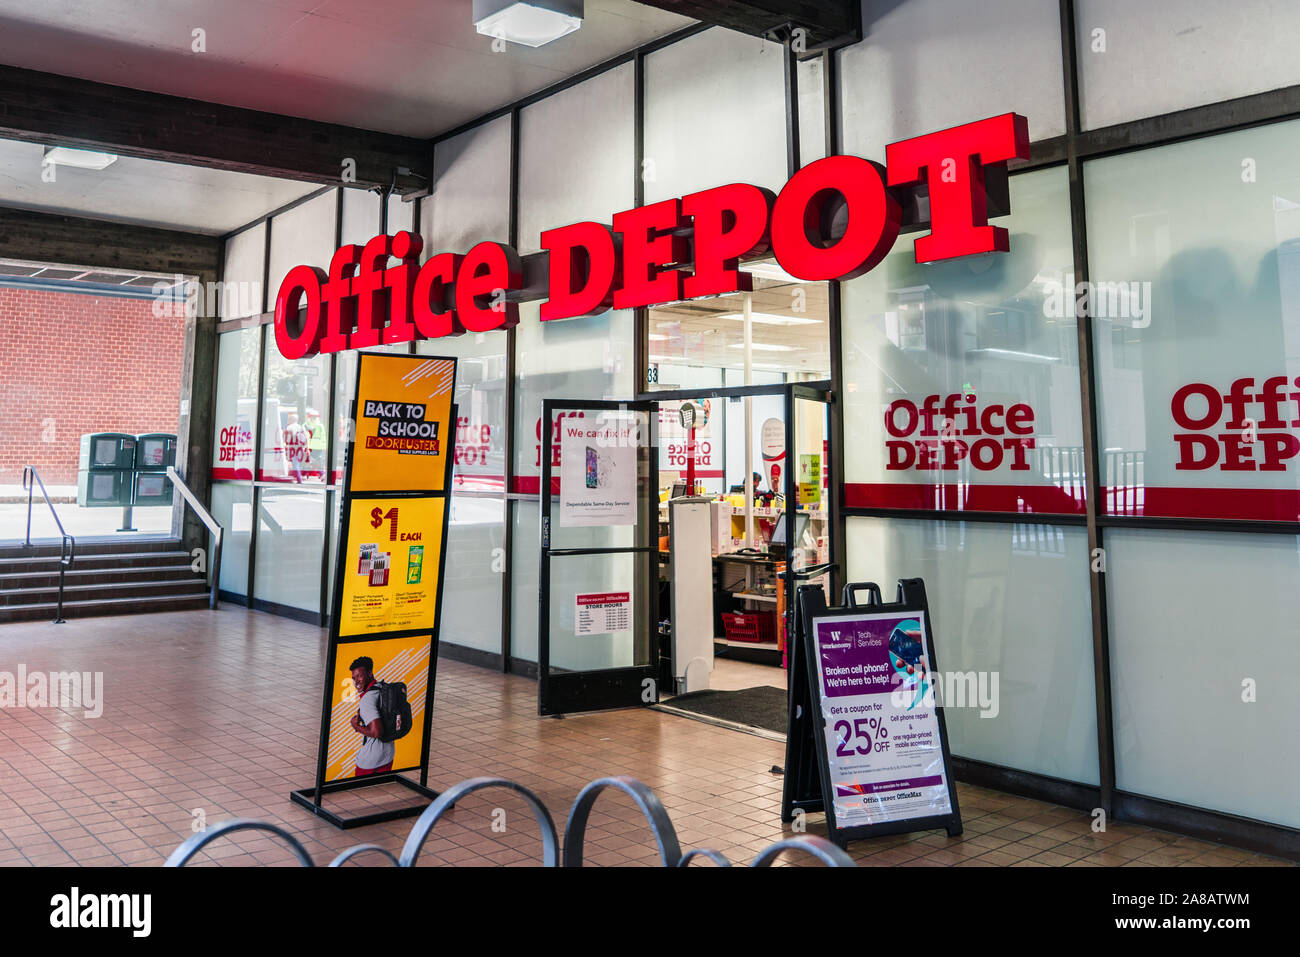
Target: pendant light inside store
531,23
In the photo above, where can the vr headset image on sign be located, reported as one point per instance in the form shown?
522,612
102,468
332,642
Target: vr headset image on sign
836,218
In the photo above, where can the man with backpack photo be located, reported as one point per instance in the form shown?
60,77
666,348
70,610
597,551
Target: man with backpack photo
375,756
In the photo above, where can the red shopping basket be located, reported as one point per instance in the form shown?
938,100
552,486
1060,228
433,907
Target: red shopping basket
752,627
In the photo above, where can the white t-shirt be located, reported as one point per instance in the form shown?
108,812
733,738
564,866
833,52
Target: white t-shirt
373,753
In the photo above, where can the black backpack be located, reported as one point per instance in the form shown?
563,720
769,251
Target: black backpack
394,710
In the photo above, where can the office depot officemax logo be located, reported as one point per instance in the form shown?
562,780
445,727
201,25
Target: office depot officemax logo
836,218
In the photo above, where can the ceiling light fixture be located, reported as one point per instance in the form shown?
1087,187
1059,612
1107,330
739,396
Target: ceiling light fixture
81,159
769,319
531,23
769,270
762,347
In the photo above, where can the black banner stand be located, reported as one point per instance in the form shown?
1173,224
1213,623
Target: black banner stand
312,798
807,785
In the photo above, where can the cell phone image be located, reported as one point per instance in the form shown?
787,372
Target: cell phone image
593,468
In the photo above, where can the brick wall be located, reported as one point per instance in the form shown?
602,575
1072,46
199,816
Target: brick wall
73,363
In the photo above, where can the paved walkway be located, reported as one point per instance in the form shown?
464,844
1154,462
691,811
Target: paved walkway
211,715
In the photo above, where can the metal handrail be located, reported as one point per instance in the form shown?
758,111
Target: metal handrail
213,526
68,547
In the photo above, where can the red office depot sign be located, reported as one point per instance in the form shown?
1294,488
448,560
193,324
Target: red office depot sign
835,219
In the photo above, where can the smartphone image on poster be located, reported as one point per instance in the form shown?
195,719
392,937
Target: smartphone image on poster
593,468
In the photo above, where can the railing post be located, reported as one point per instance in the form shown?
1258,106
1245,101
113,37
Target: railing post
30,489
216,568
58,614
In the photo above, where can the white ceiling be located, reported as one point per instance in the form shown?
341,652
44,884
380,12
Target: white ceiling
144,192
415,67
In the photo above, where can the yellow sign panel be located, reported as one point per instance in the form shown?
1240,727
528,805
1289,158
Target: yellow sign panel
390,574
352,752
403,423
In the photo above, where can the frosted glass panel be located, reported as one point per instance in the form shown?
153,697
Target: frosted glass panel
1009,600
926,65
304,234
472,599
812,111
234,431
961,378
1198,338
471,190
576,157
360,217
1194,616
525,562
714,114
1144,59
589,358
243,269
232,507
290,546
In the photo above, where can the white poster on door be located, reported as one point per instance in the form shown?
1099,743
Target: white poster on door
598,480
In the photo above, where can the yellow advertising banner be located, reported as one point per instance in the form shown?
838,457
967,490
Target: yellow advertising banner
352,750
391,561
403,424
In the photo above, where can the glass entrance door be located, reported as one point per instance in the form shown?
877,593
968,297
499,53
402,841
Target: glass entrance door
809,522
598,553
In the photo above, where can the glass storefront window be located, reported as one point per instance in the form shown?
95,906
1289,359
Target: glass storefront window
589,358
235,426
961,378
693,341
714,114
1202,687
295,417
1009,609
1194,256
471,603
1130,52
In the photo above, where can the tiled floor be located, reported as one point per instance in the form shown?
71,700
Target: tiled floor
215,715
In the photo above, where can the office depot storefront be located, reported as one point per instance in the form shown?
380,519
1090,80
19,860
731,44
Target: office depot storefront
1079,423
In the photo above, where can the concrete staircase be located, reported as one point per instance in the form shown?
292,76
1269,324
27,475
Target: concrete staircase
106,578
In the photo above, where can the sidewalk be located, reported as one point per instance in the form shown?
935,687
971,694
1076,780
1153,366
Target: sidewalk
212,715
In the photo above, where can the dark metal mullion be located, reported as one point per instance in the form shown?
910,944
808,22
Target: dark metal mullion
730,392
791,65
1208,119
255,495
837,520
330,540
1088,407
508,505
1014,518
578,552
640,315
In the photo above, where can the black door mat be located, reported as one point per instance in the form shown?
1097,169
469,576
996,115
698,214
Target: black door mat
762,707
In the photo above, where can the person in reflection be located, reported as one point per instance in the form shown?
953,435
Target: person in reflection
374,756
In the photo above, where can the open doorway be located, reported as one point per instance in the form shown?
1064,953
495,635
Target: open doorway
742,384
92,401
